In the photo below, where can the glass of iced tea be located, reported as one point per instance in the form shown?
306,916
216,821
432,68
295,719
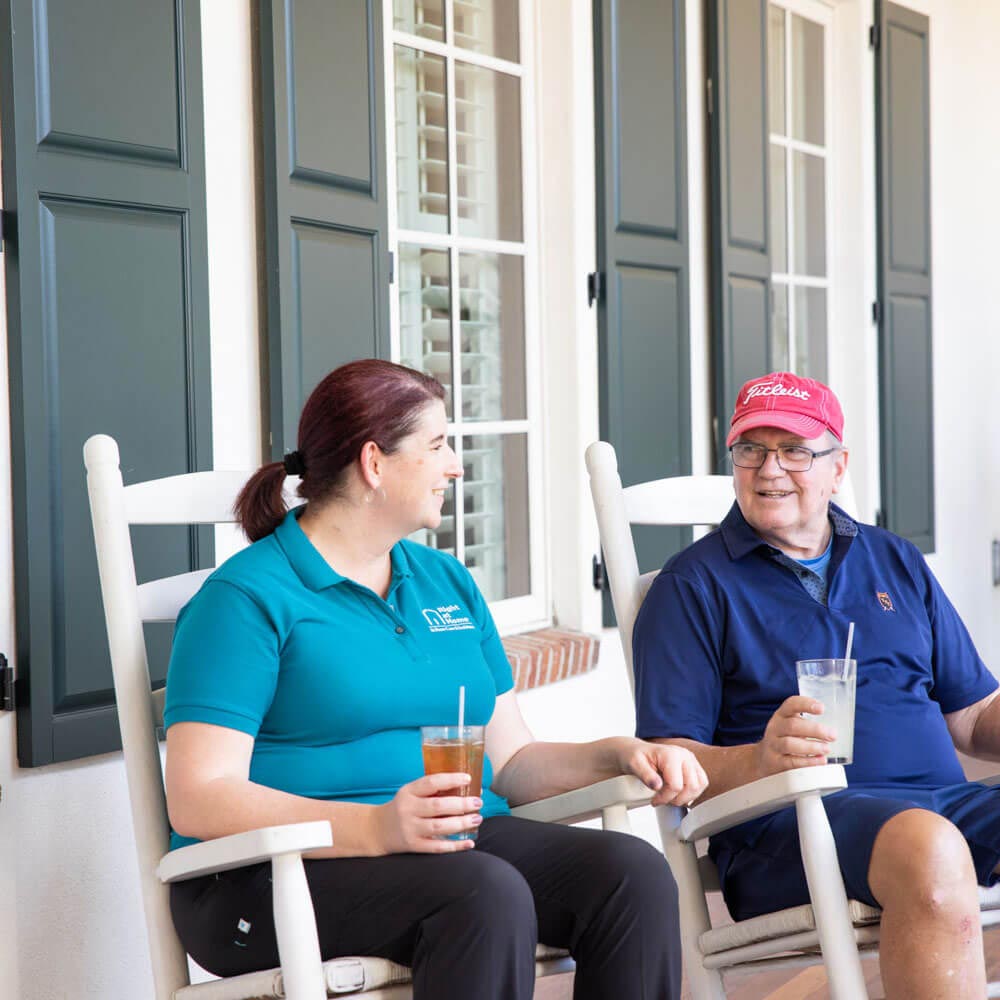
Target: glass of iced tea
455,750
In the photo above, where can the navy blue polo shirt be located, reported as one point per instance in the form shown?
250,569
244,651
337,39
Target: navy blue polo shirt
716,641
332,681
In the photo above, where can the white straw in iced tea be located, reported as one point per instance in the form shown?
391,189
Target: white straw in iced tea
850,641
461,706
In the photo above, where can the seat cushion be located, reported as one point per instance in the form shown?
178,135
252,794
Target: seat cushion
344,976
794,920
360,975
798,919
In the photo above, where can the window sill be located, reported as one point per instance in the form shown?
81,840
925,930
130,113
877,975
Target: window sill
549,655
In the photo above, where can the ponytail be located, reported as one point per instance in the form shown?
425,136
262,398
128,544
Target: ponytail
260,507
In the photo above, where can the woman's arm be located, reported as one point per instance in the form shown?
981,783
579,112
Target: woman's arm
527,770
209,794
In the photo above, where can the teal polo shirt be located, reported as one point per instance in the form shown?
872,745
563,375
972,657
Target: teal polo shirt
332,681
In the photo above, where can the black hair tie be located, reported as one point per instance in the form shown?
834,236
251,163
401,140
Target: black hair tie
294,465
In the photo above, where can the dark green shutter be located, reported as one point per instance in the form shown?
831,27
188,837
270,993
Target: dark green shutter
741,254
904,274
642,248
323,103
107,311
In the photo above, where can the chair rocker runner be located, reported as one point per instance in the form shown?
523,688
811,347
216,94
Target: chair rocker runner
207,498
840,928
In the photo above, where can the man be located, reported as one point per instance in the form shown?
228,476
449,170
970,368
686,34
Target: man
715,647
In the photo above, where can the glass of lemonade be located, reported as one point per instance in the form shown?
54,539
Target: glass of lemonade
832,682
455,750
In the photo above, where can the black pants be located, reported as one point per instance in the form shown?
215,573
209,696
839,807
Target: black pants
467,923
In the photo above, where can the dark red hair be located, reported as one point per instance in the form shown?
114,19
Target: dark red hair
369,400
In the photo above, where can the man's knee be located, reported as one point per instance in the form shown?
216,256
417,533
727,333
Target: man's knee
921,859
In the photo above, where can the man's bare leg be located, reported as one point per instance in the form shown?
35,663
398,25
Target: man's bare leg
931,940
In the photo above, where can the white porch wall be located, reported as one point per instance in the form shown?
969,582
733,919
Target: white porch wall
965,155
70,917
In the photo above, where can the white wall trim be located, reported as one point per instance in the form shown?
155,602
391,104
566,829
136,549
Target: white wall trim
568,247
699,250
853,336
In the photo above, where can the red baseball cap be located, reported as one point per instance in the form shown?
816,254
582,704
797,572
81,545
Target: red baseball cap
799,405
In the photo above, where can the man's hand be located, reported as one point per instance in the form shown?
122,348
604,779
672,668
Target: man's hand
671,771
793,741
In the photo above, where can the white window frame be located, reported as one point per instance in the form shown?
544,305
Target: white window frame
532,610
819,13
852,342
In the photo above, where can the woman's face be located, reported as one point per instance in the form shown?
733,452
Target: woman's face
416,475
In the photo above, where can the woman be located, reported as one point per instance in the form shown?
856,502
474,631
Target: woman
300,675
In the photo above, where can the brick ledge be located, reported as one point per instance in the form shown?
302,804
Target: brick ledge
550,654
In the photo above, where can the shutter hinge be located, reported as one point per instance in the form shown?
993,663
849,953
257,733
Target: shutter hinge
709,97
599,580
8,230
874,37
877,312
392,268
6,686
879,518
595,287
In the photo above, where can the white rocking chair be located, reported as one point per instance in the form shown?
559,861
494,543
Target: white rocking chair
832,929
207,498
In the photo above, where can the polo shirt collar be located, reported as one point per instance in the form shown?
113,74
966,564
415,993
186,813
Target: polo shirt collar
740,538
400,563
312,569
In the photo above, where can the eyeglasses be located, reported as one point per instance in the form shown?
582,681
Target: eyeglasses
791,457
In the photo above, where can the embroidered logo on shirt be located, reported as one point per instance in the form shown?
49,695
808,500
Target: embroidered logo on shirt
446,619
885,600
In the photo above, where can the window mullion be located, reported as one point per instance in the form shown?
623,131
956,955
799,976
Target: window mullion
456,286
475,244
494,427
467,55
459,446
456,290
393,236
455,319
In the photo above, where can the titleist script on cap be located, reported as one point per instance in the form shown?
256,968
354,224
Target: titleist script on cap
774,389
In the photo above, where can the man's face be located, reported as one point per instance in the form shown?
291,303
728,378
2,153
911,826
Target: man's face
789,509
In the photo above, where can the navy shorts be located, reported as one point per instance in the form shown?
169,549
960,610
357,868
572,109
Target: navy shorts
760,866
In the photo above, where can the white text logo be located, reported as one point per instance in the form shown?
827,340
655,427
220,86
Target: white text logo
445,619
773,389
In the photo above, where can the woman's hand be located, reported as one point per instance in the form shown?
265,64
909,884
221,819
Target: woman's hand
672,772
417,819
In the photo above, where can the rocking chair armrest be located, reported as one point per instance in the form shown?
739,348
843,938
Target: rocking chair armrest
758,798
241,849
587,802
